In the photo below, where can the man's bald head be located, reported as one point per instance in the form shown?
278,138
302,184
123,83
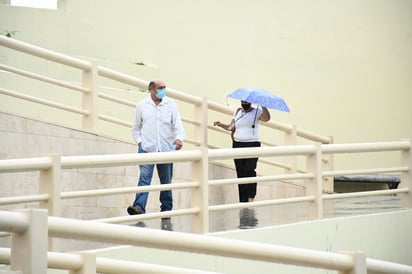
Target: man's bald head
156,83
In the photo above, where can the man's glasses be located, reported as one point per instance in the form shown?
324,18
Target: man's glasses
162,87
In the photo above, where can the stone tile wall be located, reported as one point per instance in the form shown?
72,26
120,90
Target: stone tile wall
22,137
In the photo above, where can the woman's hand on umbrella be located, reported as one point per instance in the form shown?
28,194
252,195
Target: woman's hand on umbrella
265,115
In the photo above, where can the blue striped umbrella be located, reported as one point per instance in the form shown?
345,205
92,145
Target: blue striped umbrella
259,97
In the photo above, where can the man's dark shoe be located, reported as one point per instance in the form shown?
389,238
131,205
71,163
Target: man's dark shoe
166,224
134,210
140,224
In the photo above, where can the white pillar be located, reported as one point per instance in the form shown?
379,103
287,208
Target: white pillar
291,138
201,130
406,177
50,182
313,186
89,264
359,263
200,195
29,248
328,165
90,98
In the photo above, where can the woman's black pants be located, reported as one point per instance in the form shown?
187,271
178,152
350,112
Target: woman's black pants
246,168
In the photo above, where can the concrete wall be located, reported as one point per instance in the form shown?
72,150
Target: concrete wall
381,236
342,66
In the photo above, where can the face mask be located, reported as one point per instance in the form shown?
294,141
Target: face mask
246,106
161,93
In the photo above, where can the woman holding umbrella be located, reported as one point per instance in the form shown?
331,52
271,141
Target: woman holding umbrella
245,128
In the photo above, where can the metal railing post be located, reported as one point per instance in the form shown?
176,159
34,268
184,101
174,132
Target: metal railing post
359,263
88,263
201,131
200,195
29,248
313,186
406,177
50,182
291,138
90,97
327,165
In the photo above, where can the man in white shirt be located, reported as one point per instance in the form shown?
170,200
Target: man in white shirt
157,128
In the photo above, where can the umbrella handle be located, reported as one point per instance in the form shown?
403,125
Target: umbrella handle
254,120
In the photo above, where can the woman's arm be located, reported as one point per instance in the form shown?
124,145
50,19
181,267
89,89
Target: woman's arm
265,115
225,126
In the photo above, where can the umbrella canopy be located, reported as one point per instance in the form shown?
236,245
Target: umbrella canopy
260,97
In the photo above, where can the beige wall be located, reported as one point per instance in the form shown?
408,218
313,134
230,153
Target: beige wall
343,66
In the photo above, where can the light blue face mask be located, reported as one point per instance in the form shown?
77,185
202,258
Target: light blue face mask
161,93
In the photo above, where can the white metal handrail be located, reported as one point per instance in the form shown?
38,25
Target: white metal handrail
57,226
280,177
312,176
366,171
150,216
25,164
77,229
74,262
281,201
365,147
43,101
87,66
95,161
43,78
125,190
366,193
18,222
25,199
91,116
44,53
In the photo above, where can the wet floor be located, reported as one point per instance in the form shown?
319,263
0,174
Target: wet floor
249,218
367,205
